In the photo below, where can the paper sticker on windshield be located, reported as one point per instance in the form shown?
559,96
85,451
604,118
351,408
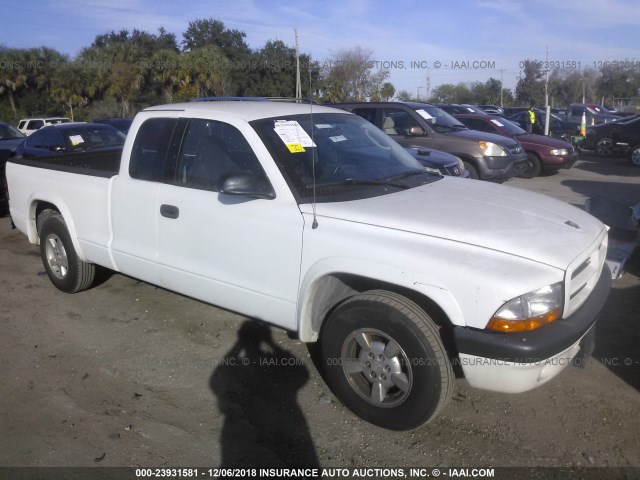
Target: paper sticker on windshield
424,114
293,135
323,125
498,123
471,109
338,138
295,147
76,140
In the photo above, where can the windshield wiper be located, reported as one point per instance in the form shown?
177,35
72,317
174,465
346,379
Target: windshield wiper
358,181
411,174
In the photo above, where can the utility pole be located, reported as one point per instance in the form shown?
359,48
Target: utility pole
547,109
428,87
501,71
298,83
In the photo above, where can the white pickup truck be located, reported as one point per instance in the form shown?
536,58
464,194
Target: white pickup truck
312,219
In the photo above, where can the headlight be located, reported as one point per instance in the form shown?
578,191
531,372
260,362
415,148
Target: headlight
529,311
433,170
559,151
492,150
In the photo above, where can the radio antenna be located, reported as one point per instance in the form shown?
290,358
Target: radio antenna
314,225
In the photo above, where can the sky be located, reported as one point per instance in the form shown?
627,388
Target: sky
422,43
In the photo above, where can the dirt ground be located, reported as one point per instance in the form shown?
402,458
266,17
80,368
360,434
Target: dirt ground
127,374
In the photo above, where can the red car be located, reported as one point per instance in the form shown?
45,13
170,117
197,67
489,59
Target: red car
544,153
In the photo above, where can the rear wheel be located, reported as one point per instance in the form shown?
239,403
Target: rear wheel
65,270
385,361
634,156
604,147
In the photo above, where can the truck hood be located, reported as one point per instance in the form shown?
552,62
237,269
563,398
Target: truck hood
496,217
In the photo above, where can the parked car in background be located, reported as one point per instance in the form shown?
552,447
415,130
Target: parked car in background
543,153
438,162
122,124
71,137
454,108
599,137
30,125
10,138
412,124
594,114
558,128
627,138
492,110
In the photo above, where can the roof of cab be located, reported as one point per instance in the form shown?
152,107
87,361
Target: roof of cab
247,110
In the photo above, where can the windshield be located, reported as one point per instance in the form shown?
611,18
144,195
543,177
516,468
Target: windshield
508,126
350,157
438,119
8,132
98,136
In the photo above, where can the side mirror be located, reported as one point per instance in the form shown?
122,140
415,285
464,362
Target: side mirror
247,185
416,131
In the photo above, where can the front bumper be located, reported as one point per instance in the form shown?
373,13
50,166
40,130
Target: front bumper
556,162
517,362
504,168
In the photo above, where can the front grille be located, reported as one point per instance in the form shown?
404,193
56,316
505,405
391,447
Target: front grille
514,149
453,171
583,273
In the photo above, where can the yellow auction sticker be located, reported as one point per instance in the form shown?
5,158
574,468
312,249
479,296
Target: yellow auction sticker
295,147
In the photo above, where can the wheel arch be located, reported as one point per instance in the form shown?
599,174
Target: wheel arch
325,292
37,206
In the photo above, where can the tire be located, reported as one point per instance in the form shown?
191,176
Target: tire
65,270
534,167
383,358
604,147
634,155
473,171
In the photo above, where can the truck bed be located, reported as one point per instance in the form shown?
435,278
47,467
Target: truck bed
98,164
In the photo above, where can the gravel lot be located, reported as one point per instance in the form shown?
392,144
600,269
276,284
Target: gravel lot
127,374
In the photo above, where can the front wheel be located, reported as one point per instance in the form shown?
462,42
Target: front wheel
634,156
473,171
533,167
604,147
65,270
385,361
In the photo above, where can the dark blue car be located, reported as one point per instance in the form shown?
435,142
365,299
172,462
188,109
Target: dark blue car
439,162
10,138
69,138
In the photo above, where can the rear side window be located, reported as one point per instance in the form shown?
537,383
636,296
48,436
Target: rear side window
477,124
369,114
35,124
150,149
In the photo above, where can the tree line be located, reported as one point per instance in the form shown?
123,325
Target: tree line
121,72
616,84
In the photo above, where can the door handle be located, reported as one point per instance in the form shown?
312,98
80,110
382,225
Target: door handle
169,211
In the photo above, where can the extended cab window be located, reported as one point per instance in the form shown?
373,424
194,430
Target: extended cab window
210,152
150,149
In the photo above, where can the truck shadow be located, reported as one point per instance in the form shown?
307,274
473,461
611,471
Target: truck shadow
256,385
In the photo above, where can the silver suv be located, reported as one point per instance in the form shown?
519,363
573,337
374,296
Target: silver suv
485,155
